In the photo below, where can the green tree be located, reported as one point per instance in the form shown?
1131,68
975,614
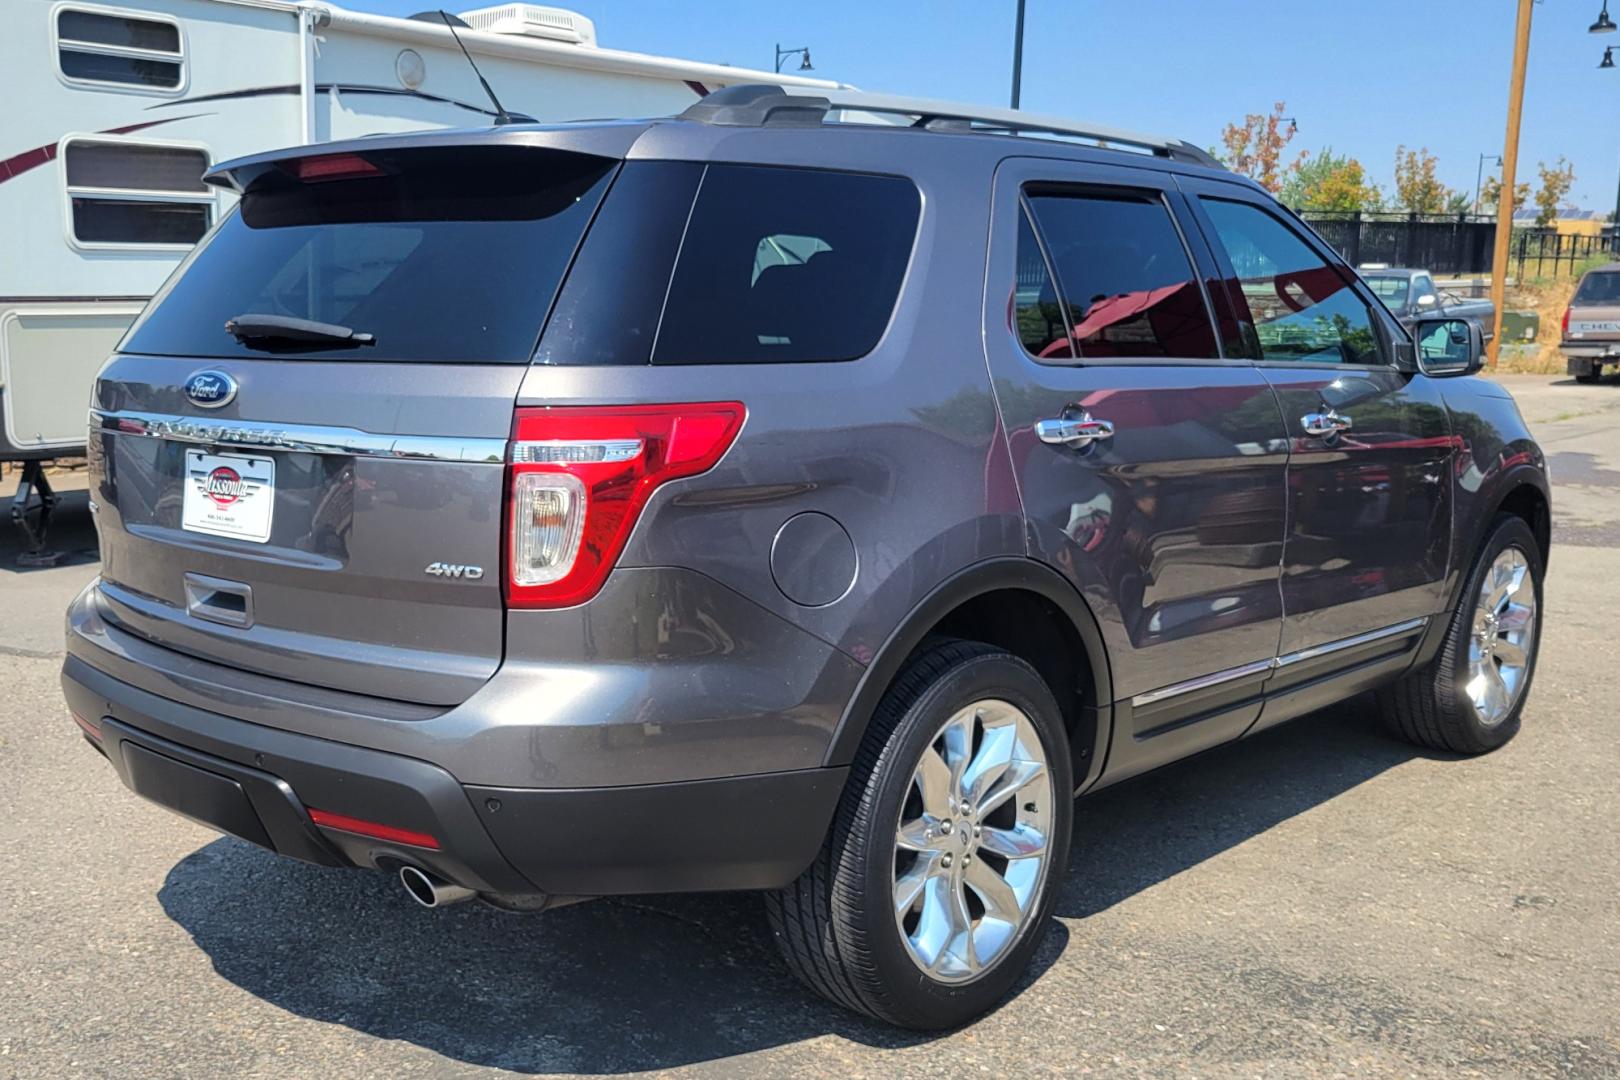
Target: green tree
1555,184
1458,203
1327,181
1255,148
1490,195
1416,187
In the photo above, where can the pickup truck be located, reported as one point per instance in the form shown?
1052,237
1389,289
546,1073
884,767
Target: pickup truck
1591,337
1411,295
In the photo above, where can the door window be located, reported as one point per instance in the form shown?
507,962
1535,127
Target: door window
1126,282
1302,309
1037,312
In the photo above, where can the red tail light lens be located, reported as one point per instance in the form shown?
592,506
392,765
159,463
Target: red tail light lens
1565,329
334,167
579,478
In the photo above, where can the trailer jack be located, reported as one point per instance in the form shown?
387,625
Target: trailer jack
31,510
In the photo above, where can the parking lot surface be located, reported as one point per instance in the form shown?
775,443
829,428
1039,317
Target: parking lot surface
1319,900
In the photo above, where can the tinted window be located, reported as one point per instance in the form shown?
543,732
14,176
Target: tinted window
110,221
787,265
1125,278
608,310
444,255
1599,288
113,48
1037,312
101,29
1301,308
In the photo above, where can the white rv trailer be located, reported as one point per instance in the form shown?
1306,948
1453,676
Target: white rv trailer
119,107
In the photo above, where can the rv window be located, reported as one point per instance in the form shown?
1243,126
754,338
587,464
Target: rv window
132,193
100,47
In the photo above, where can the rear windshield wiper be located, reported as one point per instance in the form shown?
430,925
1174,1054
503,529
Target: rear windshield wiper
285,328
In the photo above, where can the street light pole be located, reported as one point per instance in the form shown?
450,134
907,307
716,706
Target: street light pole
1510,162
1479,177
1018,56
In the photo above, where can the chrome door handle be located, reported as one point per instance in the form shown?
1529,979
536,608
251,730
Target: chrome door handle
1324,423
1073,431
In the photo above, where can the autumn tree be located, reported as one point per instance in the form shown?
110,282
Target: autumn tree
1490,195
1416,187
1555,184
1327,181
1256,148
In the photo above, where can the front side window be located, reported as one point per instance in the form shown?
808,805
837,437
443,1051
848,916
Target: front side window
787,266
1302,309
107,47
123,193
1127,284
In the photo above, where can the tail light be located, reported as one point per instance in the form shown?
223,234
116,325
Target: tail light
314,170
1565,330
579,478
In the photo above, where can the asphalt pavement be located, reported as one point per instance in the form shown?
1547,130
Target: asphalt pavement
1320,900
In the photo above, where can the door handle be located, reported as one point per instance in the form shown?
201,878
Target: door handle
1324,423
1076,432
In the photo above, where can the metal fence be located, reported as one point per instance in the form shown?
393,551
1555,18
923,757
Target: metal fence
1454,243
1541,253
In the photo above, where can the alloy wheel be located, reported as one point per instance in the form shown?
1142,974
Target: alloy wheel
971,845
1501,645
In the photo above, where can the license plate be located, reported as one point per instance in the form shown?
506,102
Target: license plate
1609,327
229,495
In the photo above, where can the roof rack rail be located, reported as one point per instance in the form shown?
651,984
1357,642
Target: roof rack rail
762,105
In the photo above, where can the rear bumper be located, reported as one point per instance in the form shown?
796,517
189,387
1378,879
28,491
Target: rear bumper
1580,356
259,783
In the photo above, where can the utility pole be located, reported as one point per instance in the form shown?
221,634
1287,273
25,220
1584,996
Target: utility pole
1510,163
1018,55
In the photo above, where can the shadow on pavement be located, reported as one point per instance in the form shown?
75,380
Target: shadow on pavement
72,532
647,983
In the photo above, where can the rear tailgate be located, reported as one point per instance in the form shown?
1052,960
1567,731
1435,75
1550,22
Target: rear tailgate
309,507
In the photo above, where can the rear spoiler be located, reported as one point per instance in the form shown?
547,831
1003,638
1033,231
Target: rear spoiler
611,139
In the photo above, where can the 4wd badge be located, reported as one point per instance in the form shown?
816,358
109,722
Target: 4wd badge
455,570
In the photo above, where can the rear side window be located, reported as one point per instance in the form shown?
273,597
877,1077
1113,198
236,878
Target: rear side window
1127,284
446,255
1037,311
787,266
1599,288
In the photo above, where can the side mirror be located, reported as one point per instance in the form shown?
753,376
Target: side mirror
1448,346
1427,300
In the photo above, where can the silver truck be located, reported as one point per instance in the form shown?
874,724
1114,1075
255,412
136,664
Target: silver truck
1591,331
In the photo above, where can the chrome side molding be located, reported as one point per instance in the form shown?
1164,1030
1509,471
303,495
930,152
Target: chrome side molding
1258,667
298,438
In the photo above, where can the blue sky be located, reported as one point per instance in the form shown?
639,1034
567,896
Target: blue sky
1360,75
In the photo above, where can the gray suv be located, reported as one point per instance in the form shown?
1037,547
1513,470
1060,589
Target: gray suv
796,495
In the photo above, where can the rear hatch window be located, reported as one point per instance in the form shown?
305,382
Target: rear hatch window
444,255
1599,288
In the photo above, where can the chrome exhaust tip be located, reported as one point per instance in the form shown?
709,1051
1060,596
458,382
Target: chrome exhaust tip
430,890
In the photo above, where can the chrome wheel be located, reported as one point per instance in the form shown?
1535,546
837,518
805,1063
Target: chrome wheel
1500,647
972,841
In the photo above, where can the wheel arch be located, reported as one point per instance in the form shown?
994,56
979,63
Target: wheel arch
1015,603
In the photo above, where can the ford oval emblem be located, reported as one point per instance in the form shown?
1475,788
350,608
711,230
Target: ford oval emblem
210,389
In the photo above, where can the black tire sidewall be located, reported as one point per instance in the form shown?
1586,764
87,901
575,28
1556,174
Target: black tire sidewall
1508,531
922,1001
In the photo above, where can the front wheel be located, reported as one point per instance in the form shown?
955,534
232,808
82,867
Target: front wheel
1468,700
947,851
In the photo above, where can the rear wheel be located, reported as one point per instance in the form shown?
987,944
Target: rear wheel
1590,376
939,873
1469,698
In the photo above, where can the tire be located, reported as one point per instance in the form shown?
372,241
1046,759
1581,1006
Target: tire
837,927
1590,376
1432,706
